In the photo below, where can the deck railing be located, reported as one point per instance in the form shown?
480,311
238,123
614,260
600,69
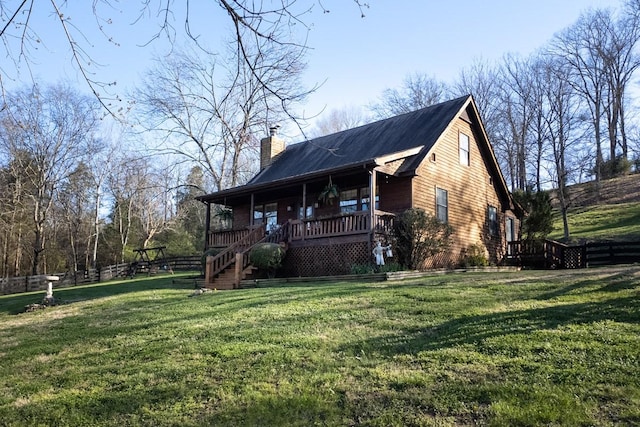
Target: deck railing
313,228
222,239
538,253
548,253
355,223
383,222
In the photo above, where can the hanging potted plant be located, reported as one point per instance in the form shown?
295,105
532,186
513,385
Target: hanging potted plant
329,193
224,217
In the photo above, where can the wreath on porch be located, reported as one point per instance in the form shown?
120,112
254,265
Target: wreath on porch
329,193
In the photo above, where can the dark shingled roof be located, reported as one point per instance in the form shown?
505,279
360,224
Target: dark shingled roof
364,143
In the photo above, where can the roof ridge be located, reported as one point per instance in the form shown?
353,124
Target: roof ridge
364,143
396,117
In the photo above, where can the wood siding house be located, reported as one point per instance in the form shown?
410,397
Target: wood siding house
437,158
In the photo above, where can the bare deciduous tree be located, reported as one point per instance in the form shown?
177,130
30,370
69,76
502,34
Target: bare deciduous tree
417,91
254,25
208,110
578,47
562,108
621,61
517,110
337,120
48,132
480,79
601,51
14,215
74,208
125,184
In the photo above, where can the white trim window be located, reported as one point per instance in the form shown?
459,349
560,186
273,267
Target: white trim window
442,205
464,149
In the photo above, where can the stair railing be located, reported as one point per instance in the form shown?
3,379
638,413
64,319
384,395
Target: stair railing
228,257
224,259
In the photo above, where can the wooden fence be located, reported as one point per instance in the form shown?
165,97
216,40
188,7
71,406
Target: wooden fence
612,253
551,254
13,285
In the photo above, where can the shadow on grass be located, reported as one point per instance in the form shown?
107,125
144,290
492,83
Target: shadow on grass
615,281
121,341
130,316
14,304
473,330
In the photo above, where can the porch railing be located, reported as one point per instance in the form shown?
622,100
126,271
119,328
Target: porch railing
383,222
538,253
342,225
222,239
315,228
355,223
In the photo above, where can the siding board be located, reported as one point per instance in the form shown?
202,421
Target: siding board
470,193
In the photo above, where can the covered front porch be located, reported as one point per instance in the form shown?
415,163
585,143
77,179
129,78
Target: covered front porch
354,201
328,220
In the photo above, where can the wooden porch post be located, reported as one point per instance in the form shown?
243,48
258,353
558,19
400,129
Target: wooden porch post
238,270
251,218
207,226
372,198
372,207
304,200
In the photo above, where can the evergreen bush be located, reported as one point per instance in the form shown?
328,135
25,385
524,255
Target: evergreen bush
267,257
474,256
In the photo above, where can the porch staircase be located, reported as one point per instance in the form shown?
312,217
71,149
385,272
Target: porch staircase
228,279
229,267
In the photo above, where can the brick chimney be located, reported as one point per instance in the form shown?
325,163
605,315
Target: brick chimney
270,147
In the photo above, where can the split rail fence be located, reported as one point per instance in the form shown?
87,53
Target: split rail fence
13,285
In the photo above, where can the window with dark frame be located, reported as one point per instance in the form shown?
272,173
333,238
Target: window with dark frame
356,199
349,201
510,228
266,214
492,216
304,215
442,205
365,200
258,214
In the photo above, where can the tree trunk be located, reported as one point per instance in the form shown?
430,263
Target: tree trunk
96,229
38,242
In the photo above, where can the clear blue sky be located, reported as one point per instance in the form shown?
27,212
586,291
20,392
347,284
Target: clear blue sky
356,58
361,57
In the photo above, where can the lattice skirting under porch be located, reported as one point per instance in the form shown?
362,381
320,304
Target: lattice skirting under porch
574,257
327,260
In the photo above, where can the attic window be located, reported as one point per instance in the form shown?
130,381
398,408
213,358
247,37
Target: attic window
463,144
433,157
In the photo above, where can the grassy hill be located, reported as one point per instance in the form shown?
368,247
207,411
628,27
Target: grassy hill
522,348
613,213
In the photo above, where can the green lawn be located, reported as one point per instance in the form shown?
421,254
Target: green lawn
601,222
557,348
